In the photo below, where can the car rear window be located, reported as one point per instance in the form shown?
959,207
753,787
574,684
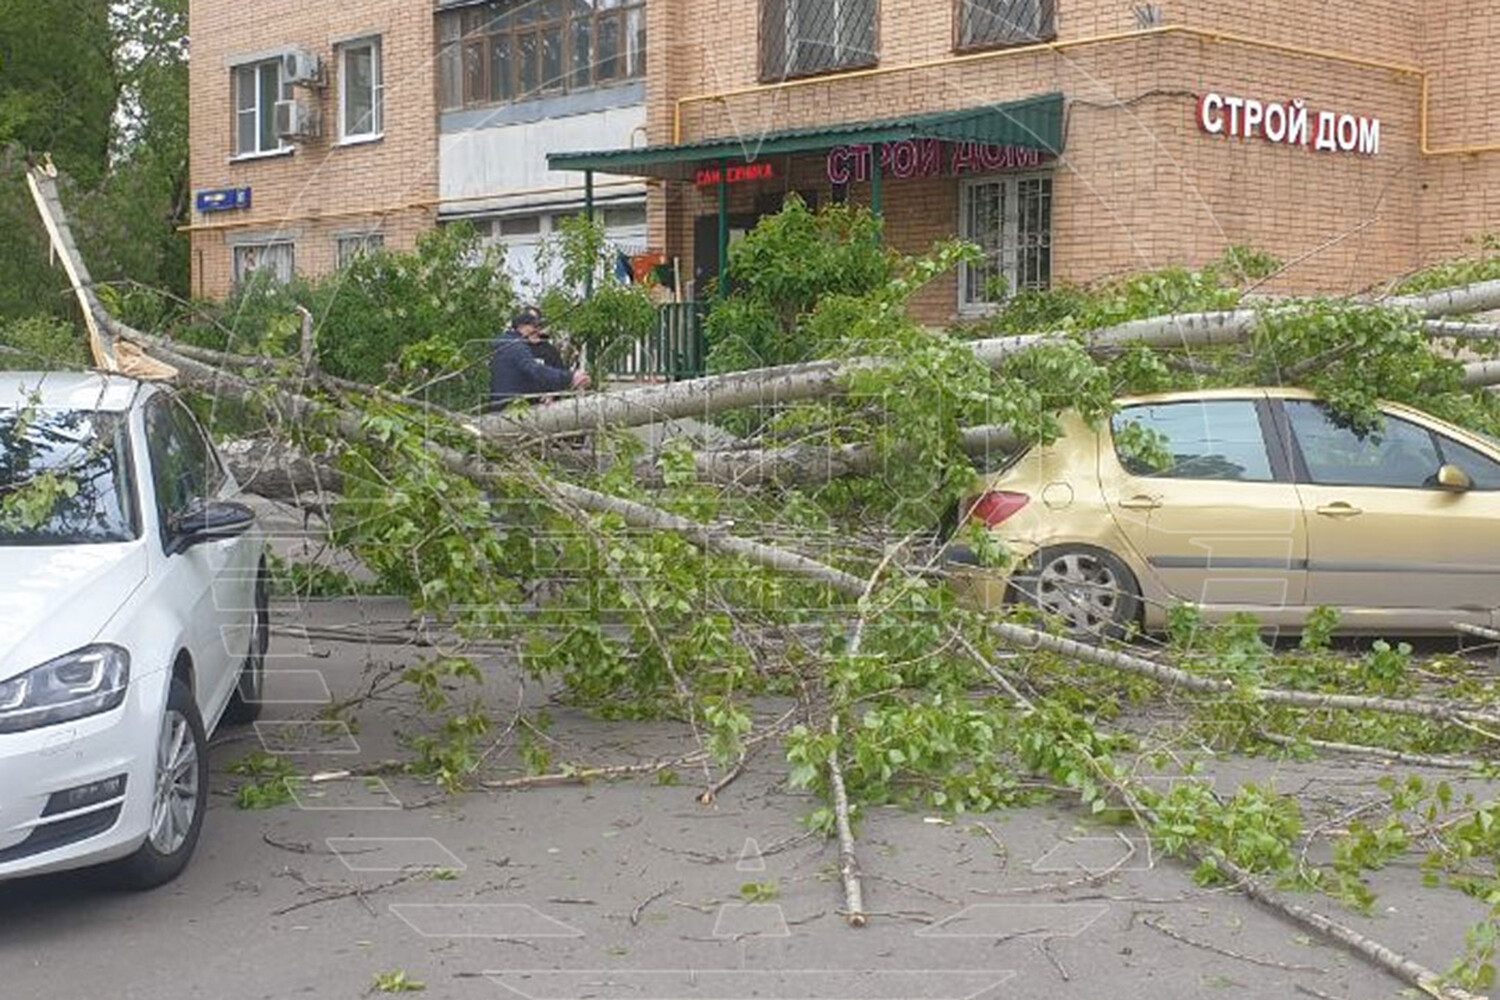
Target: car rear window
64,477
1208,439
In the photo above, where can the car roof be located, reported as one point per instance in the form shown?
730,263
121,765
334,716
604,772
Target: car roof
1245,392
69,390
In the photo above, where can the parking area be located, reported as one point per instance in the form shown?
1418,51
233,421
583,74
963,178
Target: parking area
635,889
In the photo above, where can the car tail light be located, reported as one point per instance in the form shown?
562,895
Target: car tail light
997,506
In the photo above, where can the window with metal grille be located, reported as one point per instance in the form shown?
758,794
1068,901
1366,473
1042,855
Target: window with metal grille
1010,220
514,50
356,245
985,24
805,37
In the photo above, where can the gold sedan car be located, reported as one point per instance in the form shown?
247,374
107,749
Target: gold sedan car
1246,500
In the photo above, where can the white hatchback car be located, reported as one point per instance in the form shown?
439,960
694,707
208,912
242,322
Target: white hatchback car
133,620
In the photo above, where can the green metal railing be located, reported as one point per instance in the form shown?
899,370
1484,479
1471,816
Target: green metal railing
678,349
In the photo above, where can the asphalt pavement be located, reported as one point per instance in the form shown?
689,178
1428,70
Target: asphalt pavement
633,889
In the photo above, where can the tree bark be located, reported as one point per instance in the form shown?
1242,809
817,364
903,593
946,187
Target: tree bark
279,471
1481,296
1452,328
804,465
854,897
1379,753
1114,659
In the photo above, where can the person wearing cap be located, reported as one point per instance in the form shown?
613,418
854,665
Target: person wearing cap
518,370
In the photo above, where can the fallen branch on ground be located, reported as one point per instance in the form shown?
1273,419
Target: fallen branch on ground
1380,753
854,901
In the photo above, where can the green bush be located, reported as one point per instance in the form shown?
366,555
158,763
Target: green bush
782,270
43,342
401,319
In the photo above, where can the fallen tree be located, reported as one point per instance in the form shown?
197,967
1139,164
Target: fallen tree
687,573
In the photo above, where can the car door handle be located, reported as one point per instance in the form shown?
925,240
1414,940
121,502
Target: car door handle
1339,509
1140,502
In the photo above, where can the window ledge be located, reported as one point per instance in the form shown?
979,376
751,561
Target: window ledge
832,72
970,48
359,140
979,310
270,154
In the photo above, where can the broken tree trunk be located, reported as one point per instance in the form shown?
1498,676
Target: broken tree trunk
127,359
276,470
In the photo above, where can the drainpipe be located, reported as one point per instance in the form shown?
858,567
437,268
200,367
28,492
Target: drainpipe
588,211
723,229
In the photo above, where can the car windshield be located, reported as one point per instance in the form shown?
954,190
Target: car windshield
64,477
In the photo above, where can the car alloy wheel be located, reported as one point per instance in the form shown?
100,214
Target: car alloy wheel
1082,589
175,802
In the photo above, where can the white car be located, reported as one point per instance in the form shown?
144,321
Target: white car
133,620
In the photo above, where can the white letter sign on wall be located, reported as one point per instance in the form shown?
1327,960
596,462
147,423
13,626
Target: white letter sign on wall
1288,124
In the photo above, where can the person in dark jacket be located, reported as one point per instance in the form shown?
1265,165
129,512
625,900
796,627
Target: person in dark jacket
545,349
516,372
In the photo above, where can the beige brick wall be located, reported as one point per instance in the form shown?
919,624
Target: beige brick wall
1140,185
323,189
1459,195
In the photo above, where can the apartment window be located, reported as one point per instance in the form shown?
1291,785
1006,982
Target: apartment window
986,24
361,90
514,50
1010,219
357,245
804,37
257,88
276,259
523,225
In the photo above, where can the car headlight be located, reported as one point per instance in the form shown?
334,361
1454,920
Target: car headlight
84,682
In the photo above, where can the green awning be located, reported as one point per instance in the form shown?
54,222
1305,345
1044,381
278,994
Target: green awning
1033,123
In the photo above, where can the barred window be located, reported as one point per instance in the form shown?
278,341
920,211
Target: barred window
805,37
356,245
1010,219
991,23
276,258
514,50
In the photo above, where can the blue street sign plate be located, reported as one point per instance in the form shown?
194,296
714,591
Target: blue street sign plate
223,200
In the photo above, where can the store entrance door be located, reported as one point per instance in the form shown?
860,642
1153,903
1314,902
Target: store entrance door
706,263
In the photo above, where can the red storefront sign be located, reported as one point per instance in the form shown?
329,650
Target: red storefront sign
740,173
928,158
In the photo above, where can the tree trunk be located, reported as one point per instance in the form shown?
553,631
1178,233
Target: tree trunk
1481,296
279,471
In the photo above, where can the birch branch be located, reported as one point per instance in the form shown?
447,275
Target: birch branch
854,900
1480,296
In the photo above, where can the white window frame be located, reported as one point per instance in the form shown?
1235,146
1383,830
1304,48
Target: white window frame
1008,251
377,96
241,275
259,112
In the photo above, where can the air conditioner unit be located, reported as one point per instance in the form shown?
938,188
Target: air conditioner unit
302,67
295,120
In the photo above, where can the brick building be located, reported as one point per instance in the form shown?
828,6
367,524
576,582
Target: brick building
1072,139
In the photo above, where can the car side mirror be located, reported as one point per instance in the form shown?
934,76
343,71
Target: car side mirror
208,521
1451,477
